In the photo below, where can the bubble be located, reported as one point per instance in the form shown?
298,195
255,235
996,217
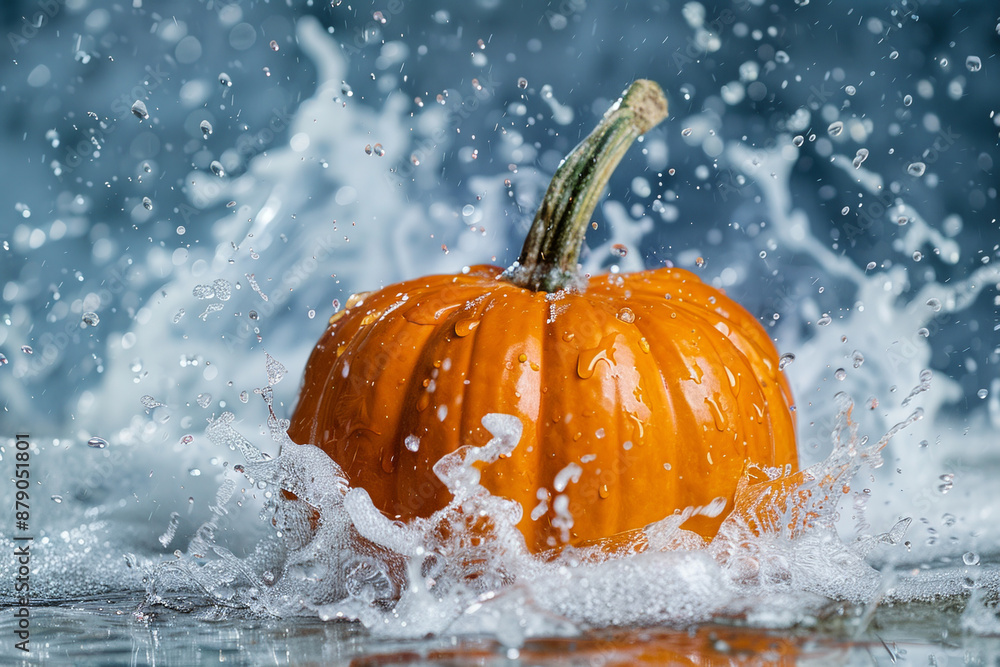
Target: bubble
97,443
311,314
835,128
139,109
91,319
973,63
781,57
850,90
916,169
917,256
522,83
206,128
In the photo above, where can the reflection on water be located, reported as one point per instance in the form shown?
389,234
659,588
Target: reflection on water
183,196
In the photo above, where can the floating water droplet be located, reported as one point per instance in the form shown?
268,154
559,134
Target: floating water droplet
916,169
947,482
378,150
824,320
415,160
850,90
206,128
204,400
619,250
857,358
217,168
907,100
861,156
522,83
699,262
187,439
244,396
147,203
893,55
840,374
845,210
934,304
686,132
982,393
194,472
27,349
784,360
970,558
146,168
222,289
368,149
917,256
91,319
3,360
225,80
202,292
139,109
973,63
97,443
923,332
835,128
179,315
274,45
902,220
798,140
149,402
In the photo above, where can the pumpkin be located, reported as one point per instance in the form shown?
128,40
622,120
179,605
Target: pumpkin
639,393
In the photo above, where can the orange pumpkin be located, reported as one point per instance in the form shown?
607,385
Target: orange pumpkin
639,393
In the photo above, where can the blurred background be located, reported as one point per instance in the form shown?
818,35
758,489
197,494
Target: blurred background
187,186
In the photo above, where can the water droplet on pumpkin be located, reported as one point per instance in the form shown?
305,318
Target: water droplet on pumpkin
626,315
603,492
464,327
97,443
588,359
412,443
916,169
388,460
644,345
718,416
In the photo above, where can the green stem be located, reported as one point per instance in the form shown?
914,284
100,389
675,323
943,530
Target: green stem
548,260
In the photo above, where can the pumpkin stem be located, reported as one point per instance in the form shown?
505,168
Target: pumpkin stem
548,260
